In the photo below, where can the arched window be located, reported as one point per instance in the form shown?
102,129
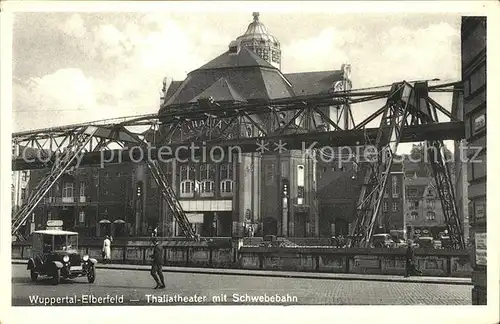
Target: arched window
413,215
226,179
431,215
187,180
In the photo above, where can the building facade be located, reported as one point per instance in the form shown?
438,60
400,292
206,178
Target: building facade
424,213
473,40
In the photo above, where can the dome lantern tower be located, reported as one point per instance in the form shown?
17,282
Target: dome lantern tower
259,41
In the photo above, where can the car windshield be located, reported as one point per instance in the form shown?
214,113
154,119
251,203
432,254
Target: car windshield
65,242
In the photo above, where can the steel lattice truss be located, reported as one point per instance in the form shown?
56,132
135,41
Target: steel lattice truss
297,121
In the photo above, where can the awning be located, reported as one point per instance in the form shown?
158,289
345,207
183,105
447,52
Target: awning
119,221
104,221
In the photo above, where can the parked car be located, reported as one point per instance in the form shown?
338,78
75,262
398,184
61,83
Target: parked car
425,242
382,241
55,254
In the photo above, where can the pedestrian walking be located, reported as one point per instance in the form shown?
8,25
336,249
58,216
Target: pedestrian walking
157,265
411,268
106,249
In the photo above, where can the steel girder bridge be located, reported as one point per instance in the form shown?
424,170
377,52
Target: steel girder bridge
409,115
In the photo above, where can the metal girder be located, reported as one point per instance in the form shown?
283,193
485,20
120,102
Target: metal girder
441,131
406,104
61,165
240,122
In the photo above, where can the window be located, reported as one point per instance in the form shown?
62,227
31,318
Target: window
395,188
385,206
276,57
394,206
24,176
187,187
187,180
67,191
49,215
300,184
226,178
431,216
23,194
81,217
82,189
414,203
413,215
429,192
300,176
475,81
226,186
207,177
430,203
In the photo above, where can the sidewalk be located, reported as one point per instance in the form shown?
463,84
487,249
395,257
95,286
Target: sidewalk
287,274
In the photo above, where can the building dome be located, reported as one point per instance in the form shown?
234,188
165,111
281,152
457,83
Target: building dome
258,40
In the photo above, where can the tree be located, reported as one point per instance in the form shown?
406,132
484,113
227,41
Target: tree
421,158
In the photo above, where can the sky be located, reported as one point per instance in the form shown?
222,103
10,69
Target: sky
71,67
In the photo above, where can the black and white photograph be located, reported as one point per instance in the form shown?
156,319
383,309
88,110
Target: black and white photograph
249,155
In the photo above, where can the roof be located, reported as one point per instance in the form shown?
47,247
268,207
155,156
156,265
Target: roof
174,85
220,90
55,232
245,57
236,77
307,83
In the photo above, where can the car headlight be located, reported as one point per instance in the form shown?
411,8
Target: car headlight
85,258
65,258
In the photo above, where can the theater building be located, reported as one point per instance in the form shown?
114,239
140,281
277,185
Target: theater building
258,194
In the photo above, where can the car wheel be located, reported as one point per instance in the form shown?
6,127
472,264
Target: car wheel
91,275
56,279
33,275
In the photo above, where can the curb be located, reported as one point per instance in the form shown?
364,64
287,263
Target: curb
281,274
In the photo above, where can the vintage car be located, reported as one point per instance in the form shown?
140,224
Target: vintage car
55,254
382,241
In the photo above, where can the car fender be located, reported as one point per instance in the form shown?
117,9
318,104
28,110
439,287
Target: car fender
31,264
58,264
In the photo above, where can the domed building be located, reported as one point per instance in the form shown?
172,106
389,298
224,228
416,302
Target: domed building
286,194
250,192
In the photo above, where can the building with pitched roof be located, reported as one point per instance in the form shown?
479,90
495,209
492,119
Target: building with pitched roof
276,193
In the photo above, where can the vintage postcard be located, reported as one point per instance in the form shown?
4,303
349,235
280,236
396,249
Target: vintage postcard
251,154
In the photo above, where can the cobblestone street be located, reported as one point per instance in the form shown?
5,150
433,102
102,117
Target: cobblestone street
134,286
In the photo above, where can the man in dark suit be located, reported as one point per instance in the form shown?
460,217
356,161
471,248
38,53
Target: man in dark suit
411,267
157,265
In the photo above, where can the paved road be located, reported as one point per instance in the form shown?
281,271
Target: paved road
136,288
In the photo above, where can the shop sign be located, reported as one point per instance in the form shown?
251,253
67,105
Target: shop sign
480,246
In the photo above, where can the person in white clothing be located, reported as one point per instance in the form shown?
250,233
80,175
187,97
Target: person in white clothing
106,249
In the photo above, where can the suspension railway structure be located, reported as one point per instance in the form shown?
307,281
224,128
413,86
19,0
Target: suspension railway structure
408,115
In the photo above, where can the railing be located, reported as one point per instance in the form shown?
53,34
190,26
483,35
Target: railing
309,259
